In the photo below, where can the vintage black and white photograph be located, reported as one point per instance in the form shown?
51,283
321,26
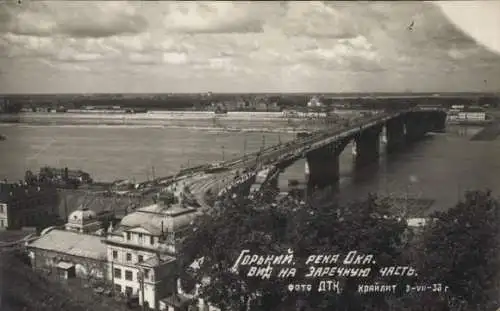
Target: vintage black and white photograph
249,155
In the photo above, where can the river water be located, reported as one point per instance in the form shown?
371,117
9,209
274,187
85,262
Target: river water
439,167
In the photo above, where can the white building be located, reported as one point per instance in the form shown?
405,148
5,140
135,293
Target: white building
472,115
417,222
141,251
314,102
467,114
83,220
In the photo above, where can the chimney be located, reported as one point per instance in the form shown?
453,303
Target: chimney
110,228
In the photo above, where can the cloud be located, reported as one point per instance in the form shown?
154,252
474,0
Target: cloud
248,45
175,58
215,17
66,66
315,19
73,19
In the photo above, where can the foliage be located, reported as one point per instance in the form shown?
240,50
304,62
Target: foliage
219,237
461,250
21,288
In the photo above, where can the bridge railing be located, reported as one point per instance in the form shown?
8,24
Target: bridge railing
311,140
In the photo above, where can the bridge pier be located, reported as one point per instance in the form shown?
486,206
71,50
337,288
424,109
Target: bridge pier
323,166
368,145
438,122
417,125
395,131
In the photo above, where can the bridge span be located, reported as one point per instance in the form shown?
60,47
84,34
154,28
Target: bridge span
321,150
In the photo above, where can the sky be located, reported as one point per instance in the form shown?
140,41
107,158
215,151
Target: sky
222,46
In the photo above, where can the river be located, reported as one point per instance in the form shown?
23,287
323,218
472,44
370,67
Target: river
439,167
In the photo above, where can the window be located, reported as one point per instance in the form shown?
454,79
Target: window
1,208
1,223
128,236
118,273
140,236
140,258
115,254
128,275
146,273
152,240
118,288
129,257
128,290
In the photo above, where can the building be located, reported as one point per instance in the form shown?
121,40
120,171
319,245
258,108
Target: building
74,252
136,257
24,205
83,220
314,102
467,114
76,177
472,114
187,294
141,250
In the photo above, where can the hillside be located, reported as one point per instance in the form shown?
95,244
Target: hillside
23,289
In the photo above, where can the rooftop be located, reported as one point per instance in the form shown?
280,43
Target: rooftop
82,215
176,300
155,218
71,243
157,260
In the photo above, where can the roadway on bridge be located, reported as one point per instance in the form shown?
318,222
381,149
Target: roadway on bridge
200,184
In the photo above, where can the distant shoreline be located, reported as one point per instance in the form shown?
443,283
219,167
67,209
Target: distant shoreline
154,117
175,120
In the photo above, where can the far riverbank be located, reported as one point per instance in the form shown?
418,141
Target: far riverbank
209,121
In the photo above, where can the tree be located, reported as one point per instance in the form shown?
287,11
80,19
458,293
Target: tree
461,250
219,238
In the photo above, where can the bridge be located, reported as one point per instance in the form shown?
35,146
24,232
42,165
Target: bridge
321,149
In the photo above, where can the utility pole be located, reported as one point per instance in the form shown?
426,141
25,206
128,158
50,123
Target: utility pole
245,149
113,276
153,171
223,153
65,205
405,212
142,289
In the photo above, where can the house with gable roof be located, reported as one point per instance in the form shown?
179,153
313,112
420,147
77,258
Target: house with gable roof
73,250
